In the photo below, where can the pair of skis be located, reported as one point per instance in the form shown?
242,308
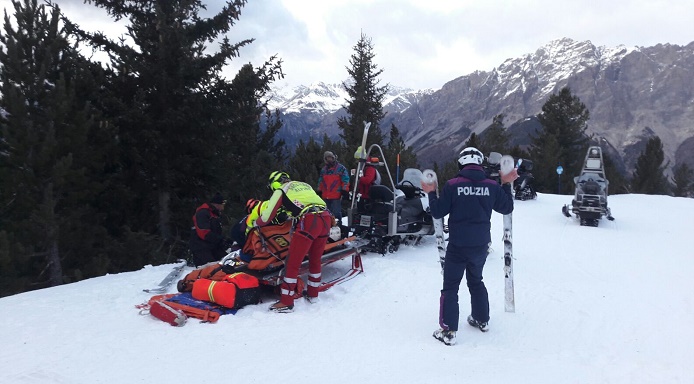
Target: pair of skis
431,178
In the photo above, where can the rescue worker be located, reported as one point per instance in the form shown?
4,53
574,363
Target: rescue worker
468,199
206,241
312,223
239,232
333,184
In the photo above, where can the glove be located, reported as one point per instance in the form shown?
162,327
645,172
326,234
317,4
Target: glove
441,261
345,194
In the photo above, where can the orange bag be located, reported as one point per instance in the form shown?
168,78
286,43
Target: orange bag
235,291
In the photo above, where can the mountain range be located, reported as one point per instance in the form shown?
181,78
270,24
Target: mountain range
632,93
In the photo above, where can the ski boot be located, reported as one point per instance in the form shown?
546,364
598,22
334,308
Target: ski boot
477,324
444,336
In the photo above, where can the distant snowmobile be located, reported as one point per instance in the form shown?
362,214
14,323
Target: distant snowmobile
590,200
523,186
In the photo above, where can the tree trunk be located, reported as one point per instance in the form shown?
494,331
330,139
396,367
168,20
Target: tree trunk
55,269
165,215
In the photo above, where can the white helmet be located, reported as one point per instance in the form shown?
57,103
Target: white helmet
470,155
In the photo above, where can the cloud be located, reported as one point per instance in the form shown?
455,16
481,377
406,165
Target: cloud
423,44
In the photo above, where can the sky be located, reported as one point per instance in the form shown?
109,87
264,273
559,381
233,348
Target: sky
610,305
424,44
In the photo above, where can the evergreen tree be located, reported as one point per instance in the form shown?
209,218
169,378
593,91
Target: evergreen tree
242,144
52,155
396,148
618,183
495,138
682,180
473,141
365,103
649,174
179,121
307,162
562,140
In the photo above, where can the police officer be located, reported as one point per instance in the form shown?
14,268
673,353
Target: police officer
468,199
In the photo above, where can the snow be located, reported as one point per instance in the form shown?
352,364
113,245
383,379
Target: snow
611,304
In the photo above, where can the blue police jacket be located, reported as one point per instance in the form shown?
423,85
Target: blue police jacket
469,199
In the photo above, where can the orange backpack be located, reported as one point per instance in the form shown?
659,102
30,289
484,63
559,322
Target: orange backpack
269,246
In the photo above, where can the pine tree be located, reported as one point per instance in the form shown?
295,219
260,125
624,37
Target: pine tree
564,122
53,154
365,104
682,180
396,149
495,138
473,141
307,162
649,174
176,112
247,153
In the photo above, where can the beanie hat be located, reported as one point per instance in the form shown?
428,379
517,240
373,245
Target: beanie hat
217,199
329,154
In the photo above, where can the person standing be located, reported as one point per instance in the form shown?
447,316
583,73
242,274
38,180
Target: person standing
312,223
207,243
333,184
468,199
369,177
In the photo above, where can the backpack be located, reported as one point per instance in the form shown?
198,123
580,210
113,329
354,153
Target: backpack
269,246
377,180
212,271
235,291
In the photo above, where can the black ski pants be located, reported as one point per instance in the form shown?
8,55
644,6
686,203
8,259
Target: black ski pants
467,261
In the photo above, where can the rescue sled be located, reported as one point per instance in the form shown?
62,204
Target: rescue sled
269,247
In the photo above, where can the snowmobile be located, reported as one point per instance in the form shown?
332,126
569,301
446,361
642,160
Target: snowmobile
394,214
590,199
523,186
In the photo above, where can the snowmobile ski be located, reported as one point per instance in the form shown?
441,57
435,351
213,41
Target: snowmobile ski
169,279
505,166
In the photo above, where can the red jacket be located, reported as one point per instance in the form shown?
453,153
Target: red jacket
366,181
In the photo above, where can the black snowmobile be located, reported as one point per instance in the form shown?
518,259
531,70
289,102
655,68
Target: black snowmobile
590,200
393,214
523,187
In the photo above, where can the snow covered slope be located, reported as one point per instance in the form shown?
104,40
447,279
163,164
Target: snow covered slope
611,304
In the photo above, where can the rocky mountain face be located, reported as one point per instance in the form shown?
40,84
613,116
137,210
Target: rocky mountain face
631,93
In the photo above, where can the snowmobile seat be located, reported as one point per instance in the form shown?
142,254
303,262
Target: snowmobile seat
380,193
591,187
408,189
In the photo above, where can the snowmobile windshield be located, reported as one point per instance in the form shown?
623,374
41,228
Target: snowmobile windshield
412,175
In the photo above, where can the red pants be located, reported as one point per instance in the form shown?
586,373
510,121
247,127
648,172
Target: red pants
310,235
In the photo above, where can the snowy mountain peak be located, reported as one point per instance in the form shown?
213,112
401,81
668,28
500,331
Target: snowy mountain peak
318,97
